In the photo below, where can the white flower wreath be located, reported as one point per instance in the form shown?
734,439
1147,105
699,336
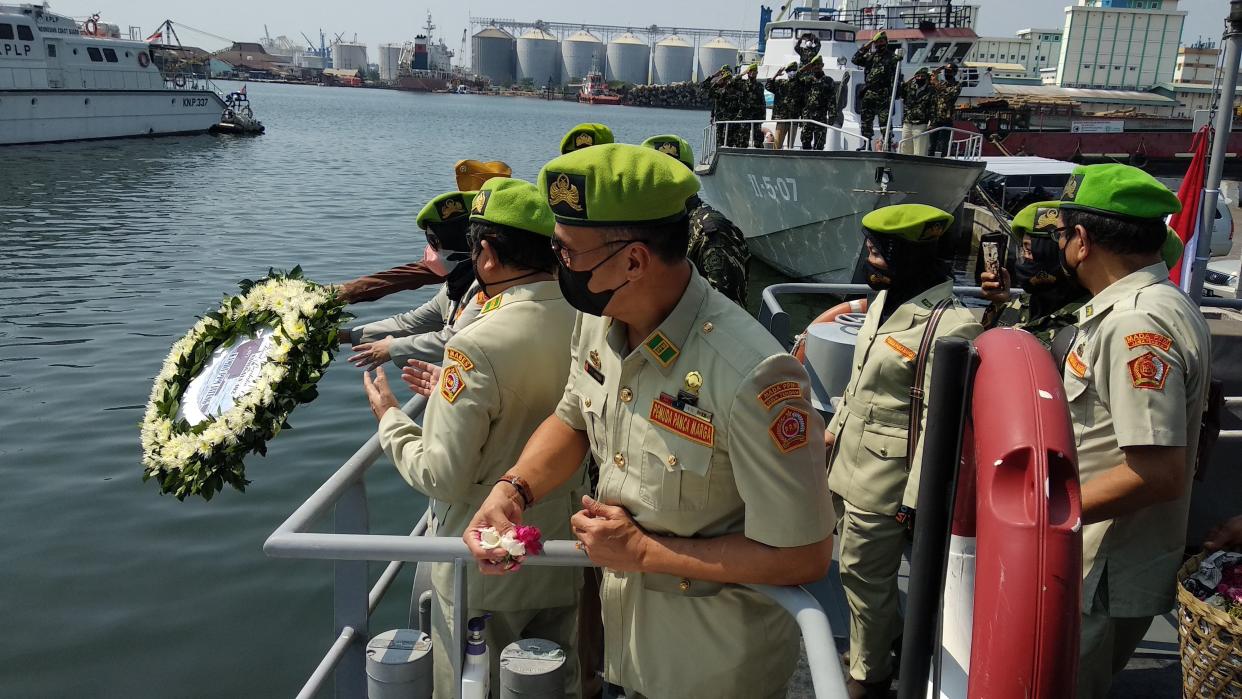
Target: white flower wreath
197,454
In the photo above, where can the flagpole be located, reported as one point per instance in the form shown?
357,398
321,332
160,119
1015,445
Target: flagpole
1232,41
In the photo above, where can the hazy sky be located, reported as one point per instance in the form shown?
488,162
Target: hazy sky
382,21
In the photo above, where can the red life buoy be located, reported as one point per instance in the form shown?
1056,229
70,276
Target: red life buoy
855,306
1028,510
143,59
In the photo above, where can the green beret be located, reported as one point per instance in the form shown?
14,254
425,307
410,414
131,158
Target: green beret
915,222
584,135
1039,218
1171,251
446,208
514,203
617,185
753,67
675,146
1118,190
792,66
880,37
818,60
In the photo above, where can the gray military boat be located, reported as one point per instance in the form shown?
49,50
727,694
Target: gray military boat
799,208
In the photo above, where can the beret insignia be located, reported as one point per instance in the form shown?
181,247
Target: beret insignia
1148,371
1046,219
565,193
670,148
452,207
583,140
480,203
788,430
1071,188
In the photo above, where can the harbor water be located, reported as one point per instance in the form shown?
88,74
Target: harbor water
108,252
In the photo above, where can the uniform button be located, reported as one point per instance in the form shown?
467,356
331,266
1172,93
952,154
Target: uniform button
708,327
672,461
858,366
588,402
619,460
684,585
626,395
883,451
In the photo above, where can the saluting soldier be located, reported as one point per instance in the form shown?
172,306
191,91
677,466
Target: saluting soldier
819,102
879,62
948,89
421,333
919,106
786,104
1136,379
702,429
717,247
585,136
754,103
503,374
719,88
874,435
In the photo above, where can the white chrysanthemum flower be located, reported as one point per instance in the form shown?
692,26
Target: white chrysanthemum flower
510,544
489,538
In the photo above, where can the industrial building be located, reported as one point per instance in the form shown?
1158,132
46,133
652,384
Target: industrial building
348,56
389,60
541,53
1120,44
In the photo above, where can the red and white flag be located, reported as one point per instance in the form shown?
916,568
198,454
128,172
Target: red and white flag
157,36
1186,221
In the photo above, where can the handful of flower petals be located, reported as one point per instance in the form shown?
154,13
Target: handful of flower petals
517,543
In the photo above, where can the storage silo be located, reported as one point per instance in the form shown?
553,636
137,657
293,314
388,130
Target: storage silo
715,53
580,52
493,52
389,61
347,56
538,57
672,62
629,59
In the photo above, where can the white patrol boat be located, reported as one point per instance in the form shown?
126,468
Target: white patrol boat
800,209
65,81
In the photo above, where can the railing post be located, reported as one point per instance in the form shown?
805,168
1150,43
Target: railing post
349,595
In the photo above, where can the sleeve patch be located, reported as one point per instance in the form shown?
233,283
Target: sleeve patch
1076,365
788,430
1149,340
1148,371
460,357
778,392
899,348
452,383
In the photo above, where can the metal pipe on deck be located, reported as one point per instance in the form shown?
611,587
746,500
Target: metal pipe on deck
1232,41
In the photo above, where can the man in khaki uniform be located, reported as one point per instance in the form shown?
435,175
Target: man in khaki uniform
1136,379
701,426
421,333
869,469
503,374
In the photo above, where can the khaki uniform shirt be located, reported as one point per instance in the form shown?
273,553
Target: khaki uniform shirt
422,333
1137,375
869,467
503,376
746,458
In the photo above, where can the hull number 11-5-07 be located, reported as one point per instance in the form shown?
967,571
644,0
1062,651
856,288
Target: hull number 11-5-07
775,188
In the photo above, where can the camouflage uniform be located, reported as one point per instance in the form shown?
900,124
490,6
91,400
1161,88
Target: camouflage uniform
786,104
919,100
942,115
879,70
720,91
1017,314
754,106
738,135
718,250
819,93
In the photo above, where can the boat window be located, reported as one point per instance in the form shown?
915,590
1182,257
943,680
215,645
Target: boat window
938,51
781,33
6,31
843,35
24,33
110,55
960,51
917,49
94,53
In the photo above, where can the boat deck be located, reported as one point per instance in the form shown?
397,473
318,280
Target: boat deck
1153,672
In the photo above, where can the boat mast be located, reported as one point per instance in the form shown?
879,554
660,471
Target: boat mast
1232,41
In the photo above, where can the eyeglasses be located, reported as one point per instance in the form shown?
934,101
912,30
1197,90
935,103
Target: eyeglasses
1062,233
567,256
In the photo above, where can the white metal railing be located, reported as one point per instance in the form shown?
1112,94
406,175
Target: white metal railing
350,546
968,147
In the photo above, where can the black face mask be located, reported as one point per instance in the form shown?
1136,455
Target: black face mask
575,286
460,276
1071,272
477,247
912,267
